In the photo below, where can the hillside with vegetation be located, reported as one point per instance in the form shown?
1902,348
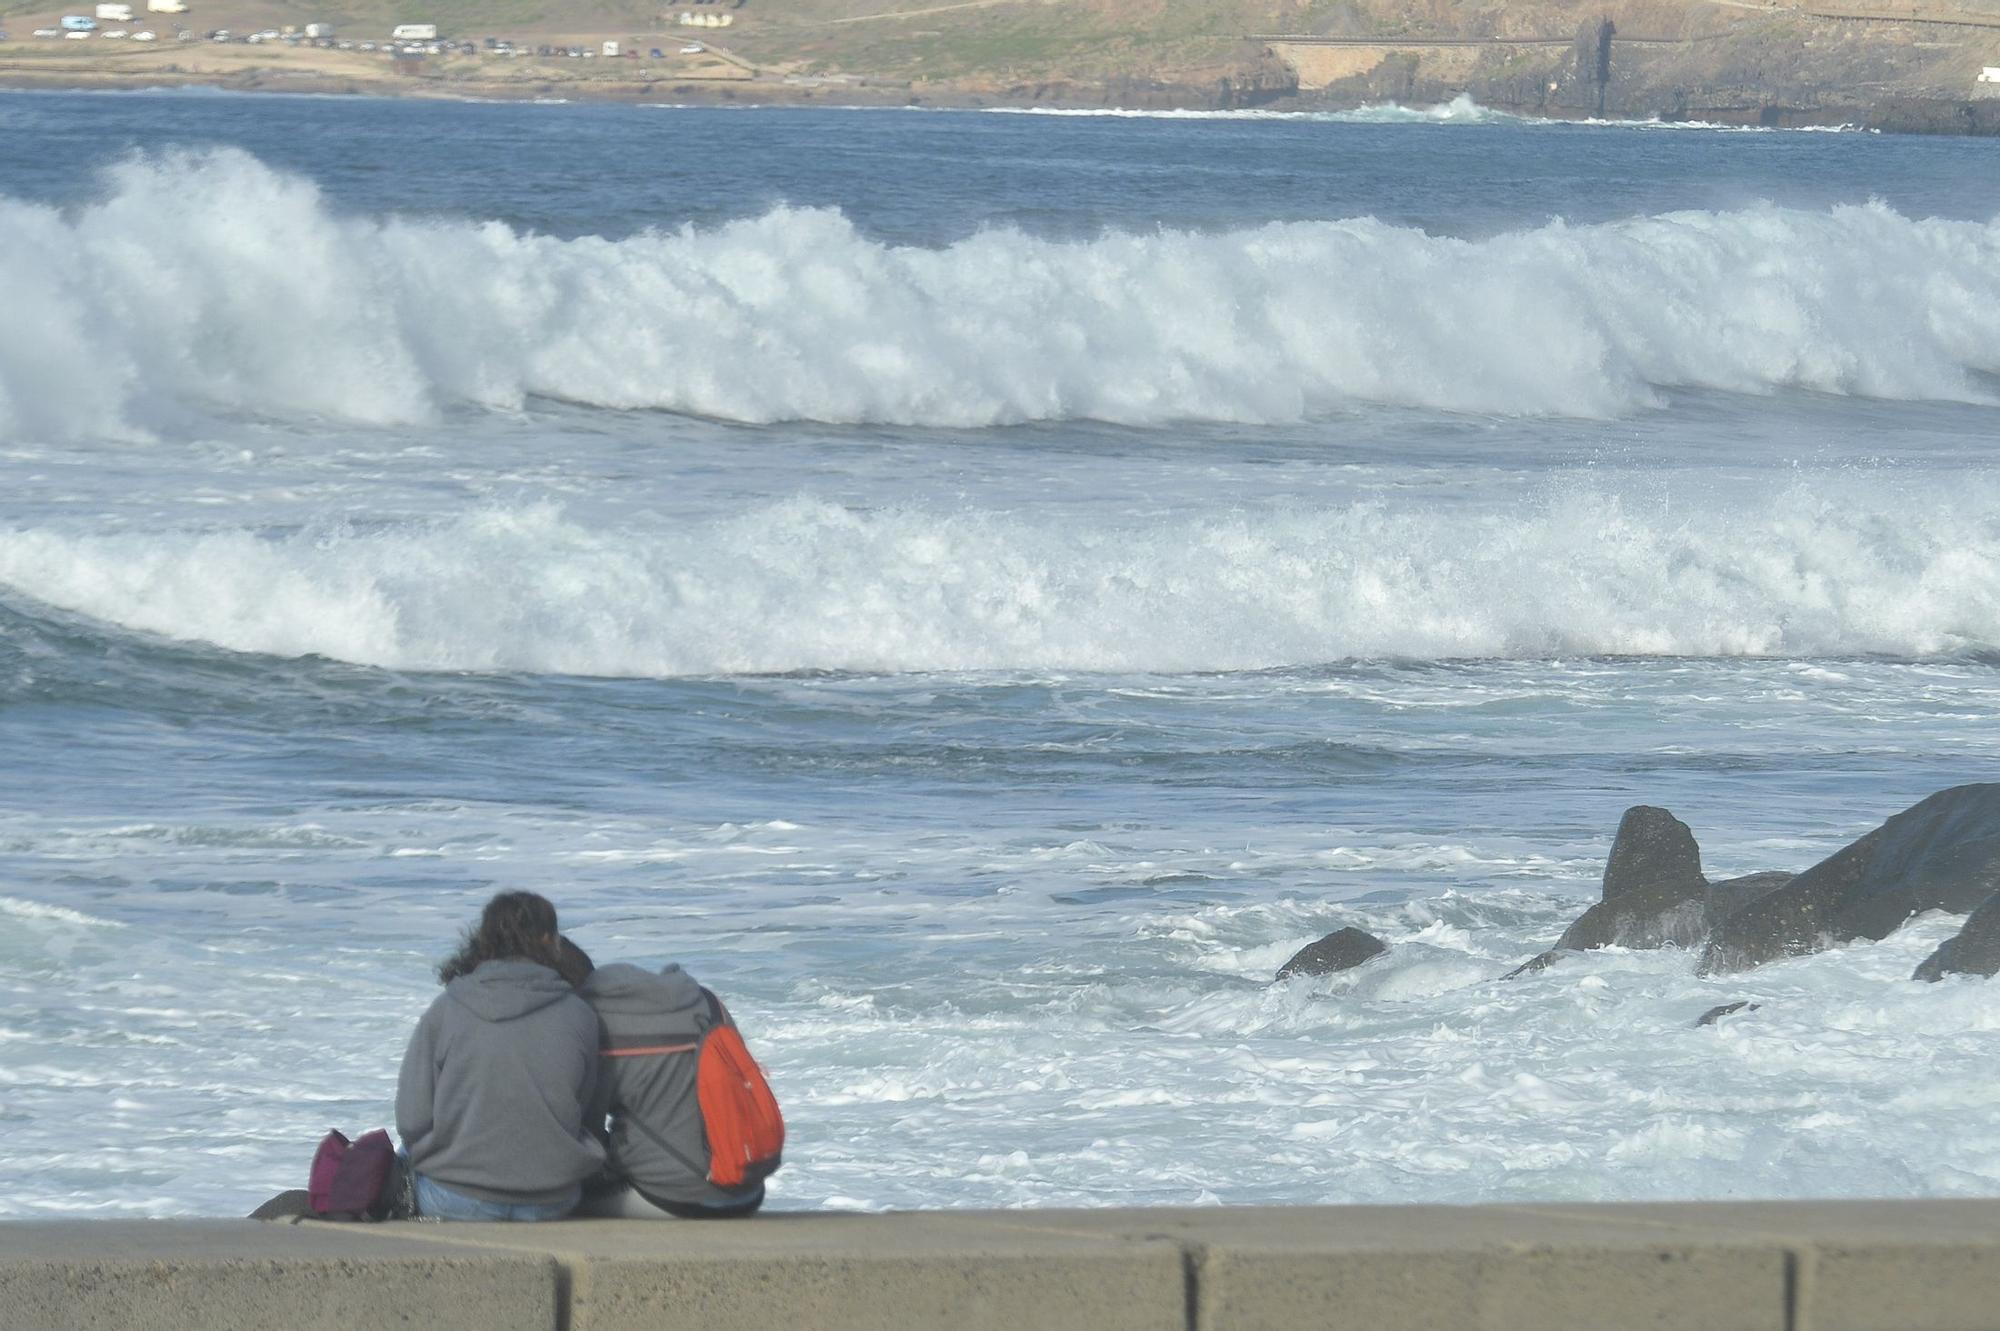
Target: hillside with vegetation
1732,59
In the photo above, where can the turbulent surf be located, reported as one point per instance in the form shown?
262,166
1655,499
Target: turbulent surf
982,591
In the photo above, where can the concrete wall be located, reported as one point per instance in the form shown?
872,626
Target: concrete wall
1756,1266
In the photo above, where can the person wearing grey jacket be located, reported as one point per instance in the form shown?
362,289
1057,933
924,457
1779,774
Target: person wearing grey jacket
498,1080
656,1149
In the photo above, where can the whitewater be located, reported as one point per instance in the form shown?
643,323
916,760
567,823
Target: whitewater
226,284
981,591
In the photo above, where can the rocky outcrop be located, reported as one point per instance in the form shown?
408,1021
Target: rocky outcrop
1721,1010
1733,894
1940,854
1975,951
1652,850
1654,894
1927,115
1341,950
295,1204
1656,917
1539,962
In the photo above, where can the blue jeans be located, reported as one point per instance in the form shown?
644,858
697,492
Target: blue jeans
437,1202
625,1203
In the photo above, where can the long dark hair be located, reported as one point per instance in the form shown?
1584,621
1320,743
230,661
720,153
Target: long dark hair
515,926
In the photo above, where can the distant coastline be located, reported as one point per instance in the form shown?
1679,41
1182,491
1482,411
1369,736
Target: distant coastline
1769,63
1904,115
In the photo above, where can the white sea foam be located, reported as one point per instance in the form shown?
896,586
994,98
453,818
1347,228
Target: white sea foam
211,280
805,584
1460,110
39,910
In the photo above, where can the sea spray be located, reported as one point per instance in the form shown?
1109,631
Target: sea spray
804,584
208,280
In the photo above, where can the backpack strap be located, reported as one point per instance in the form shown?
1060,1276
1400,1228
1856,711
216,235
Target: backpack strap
665,1044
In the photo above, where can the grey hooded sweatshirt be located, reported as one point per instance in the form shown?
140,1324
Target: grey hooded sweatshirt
656,1140
496,1084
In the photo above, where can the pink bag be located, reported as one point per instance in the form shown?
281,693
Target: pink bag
350,1180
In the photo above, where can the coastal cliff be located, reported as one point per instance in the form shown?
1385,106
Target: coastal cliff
1898,66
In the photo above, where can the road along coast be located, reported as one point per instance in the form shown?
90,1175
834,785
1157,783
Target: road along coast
1747,1266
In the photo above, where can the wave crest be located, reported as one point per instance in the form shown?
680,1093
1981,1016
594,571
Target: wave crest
208,280
803,584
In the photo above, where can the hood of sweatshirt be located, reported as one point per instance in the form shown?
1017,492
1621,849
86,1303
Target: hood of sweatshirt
634,991
505,990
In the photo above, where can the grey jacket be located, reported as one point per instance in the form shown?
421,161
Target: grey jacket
655,1140
496,1084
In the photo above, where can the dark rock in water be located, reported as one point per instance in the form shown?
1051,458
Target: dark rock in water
1941,854
1796,919
1341,950
1653,852
1654,894
1663,916
1733,894
1975,951
293,1205
1715,1014
1533,964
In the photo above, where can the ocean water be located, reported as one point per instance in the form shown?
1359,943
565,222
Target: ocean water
981,590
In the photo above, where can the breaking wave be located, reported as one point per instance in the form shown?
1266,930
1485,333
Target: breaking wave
1460,110
803,584
209,281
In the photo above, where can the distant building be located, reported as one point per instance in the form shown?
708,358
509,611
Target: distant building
1990,74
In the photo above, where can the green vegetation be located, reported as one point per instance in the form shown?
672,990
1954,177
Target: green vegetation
1088,48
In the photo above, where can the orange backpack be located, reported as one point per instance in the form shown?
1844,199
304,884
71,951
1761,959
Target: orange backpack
746,1133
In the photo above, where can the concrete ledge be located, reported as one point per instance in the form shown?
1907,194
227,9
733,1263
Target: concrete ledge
1766,1266
227,1275
965,1271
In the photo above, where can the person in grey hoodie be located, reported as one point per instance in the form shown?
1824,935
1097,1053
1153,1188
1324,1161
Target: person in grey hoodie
658,1155
496,1087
